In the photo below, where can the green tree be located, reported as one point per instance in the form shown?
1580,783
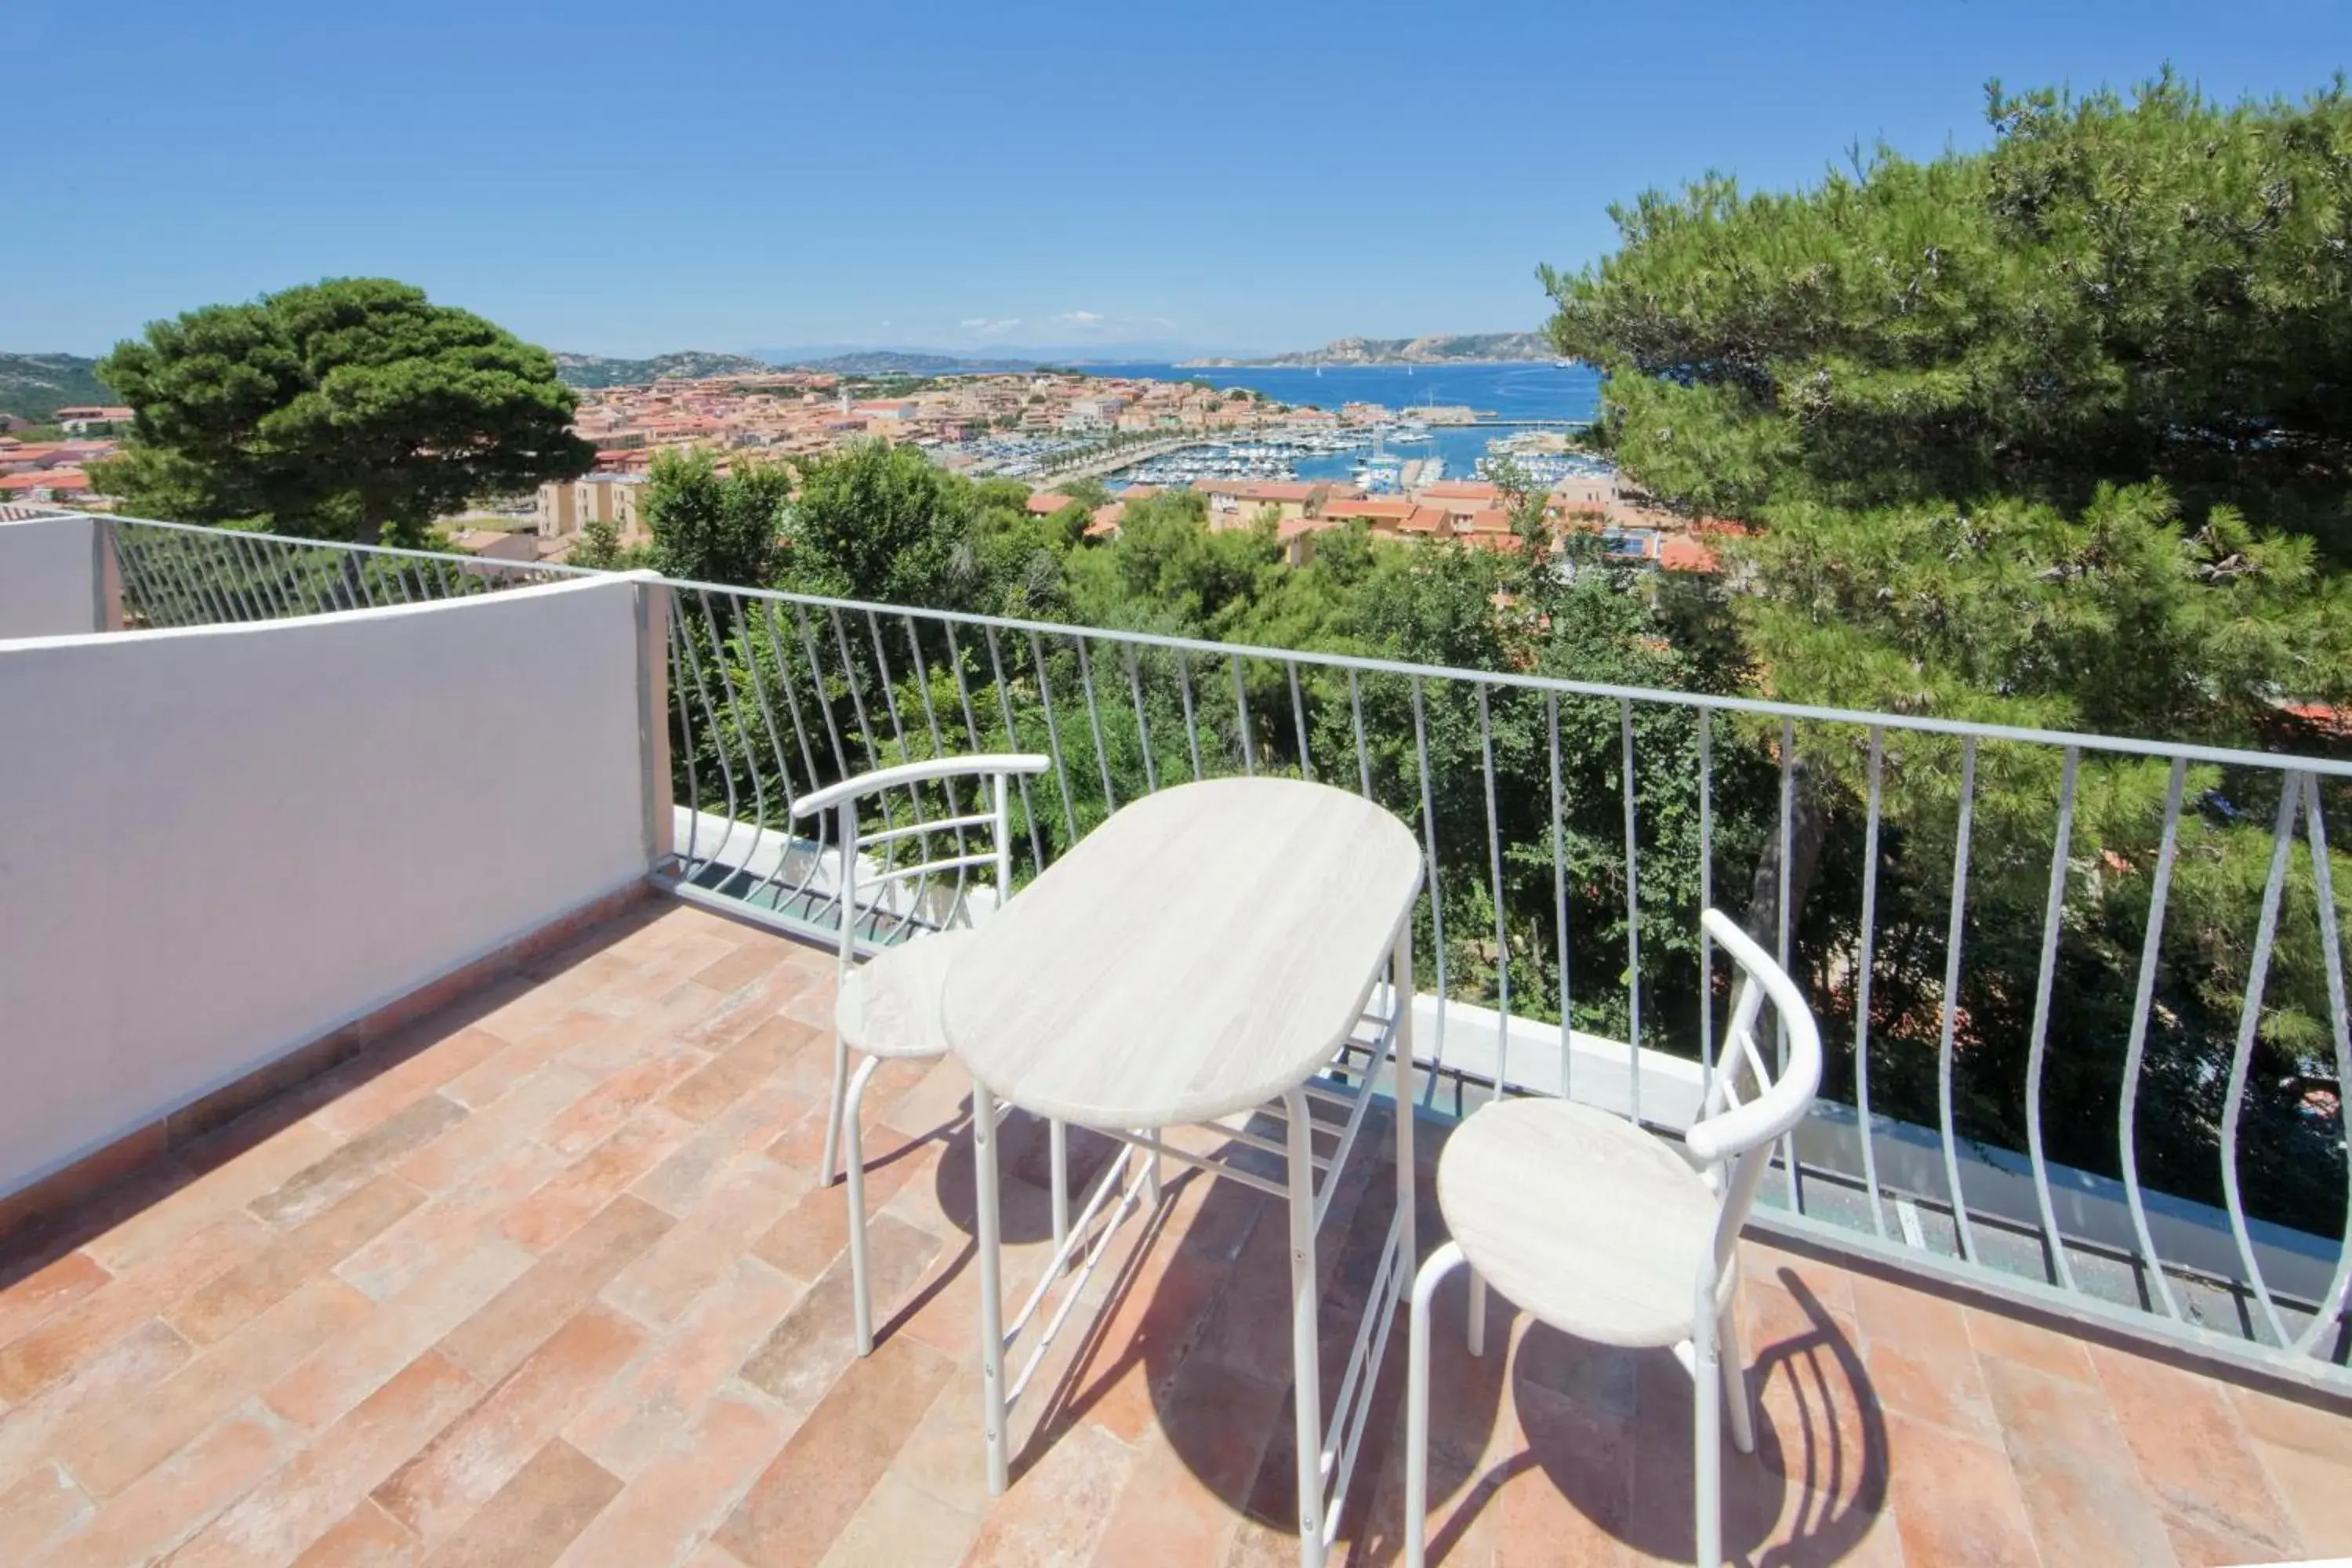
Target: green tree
1960,361
349,409
599,546
1089,493
709,527
2051,433
878,521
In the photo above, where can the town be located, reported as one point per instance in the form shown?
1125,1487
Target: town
1042,428
32,472
1047,428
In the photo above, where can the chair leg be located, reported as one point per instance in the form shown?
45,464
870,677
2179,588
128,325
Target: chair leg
1707,1434
861,1294
1734,1343
829,1171
1442,1262
1476,1330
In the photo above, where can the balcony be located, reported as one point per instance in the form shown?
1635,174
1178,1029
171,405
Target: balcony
420,1164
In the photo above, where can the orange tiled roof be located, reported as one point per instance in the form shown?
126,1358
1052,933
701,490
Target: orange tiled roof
1395,506
45,479
1678,553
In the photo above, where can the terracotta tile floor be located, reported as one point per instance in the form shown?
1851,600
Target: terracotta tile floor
551,1281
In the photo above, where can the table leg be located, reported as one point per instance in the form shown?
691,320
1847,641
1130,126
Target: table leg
1306,1346
992,1301
1059,1151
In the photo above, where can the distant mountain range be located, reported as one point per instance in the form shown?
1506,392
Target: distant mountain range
994,356
596,370
905,362
1436,349
599,370
34,386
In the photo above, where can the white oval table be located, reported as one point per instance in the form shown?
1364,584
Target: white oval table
1208,949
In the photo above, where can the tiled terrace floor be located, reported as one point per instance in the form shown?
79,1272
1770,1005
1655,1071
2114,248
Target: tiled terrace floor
551,1281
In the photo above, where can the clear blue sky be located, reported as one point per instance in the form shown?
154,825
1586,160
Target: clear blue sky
635,178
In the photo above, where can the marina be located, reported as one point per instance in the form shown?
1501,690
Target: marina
1382,459
1400,428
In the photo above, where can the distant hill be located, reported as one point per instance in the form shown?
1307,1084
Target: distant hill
34,386
1436,349
596,370
907,362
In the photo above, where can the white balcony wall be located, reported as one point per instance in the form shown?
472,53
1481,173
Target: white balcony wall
218,844
49,577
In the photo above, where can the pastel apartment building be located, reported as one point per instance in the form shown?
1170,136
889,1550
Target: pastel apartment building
568,508
86,419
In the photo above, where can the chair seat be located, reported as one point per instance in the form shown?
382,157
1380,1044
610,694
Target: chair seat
890,1007
1588,1222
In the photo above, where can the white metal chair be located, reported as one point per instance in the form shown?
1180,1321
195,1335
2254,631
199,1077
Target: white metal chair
1606,1231
889,1008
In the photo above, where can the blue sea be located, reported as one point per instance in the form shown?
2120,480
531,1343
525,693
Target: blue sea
1514,390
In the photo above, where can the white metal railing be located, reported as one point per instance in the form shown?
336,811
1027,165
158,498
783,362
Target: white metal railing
1573,828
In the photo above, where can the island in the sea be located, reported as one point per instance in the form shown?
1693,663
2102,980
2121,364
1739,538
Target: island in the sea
1440,348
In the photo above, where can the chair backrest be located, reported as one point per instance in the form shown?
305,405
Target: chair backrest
1749,1106
909,883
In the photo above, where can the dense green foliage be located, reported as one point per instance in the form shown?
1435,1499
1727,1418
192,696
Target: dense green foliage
349,409
2096,384
2057,433
709,528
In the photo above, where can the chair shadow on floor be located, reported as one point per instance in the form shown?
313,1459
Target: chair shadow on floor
1196,1302
1610,1432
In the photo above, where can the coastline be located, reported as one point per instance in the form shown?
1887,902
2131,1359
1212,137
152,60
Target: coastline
1296,363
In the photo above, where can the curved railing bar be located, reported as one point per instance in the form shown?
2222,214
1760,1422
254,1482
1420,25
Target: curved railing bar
2249,1022
1633,913
2052,912
1952,997
2331,1301
1865,963
2127,1115
1495,871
